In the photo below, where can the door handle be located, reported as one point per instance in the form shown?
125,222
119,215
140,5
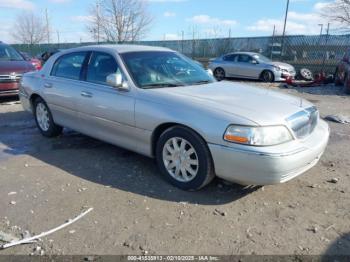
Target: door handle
86,94
48,85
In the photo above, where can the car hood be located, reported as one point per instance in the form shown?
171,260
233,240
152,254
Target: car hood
262,106
283,66
19,67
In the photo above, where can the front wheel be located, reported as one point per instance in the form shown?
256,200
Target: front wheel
267,76
184,158
44,120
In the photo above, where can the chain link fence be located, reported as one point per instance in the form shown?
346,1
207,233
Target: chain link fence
317,53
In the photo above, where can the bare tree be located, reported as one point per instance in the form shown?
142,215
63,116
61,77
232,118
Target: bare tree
29,29
339,12
119,20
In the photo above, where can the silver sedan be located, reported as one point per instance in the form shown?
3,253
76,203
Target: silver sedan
159,103
252,66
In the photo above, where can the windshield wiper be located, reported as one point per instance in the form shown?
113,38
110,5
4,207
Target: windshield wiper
161,85
202,82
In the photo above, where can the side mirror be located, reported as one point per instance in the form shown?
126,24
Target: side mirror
255,62
116,80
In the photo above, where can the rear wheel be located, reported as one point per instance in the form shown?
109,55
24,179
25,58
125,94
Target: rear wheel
44,120
219,74
267,76
184,158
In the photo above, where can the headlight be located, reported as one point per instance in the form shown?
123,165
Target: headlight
258,136
277,68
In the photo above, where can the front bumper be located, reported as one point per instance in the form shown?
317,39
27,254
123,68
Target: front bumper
282,76
8,89
270,165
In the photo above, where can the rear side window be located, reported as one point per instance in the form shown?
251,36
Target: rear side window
101,65
69,66
230,58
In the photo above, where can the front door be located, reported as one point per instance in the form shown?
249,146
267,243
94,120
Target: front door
246,68
106,112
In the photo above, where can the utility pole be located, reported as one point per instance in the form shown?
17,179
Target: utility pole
58,38
321,25
273,39
98,21
47,26
229,33
193,43
325,54
284,28
182,41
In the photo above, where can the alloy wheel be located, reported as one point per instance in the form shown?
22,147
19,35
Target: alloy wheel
219,74
180,159
42,116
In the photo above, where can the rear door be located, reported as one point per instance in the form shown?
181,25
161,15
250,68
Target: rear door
104,111
62,88
230,64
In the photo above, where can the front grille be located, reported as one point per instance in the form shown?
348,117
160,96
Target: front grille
304,122
10,78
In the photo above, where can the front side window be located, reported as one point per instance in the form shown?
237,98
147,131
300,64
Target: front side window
156,69
245,59
69,66
101,65
8,53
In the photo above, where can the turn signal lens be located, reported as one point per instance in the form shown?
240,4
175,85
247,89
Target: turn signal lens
238,139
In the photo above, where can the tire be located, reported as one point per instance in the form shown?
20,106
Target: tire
267,76
306,74
44,120
337,78
219,74
170,159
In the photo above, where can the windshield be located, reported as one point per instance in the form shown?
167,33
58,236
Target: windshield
262,58
164,69
8,53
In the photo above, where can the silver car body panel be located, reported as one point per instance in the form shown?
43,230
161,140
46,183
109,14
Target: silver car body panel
129,118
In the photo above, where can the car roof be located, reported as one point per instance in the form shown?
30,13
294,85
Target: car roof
243,53
117,48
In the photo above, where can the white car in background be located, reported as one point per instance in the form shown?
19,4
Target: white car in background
251,66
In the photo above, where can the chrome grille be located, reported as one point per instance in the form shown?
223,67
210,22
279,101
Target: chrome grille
10,78
304,122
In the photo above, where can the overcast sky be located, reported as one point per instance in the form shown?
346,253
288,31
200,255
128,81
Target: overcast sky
209,17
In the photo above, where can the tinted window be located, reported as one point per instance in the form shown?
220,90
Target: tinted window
230,58
101,65
245,59
69,66
8,53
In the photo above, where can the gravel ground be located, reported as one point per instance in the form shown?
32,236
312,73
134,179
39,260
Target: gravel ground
44,182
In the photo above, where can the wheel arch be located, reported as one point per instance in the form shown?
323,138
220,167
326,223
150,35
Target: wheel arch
267,70
32,99
159,130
